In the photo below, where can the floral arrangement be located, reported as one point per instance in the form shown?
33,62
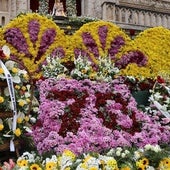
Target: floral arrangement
159,102
82,68
155,48
23,96
85,116
151,157
35,37
96,39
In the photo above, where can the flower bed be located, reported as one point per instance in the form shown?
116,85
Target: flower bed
151,157
86,116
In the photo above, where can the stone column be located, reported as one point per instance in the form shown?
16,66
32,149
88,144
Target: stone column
158,20
168,20
86,8
147,19
153,20
164,21
126,15
135,17
141,18
13,4
108,12
120,15
82,8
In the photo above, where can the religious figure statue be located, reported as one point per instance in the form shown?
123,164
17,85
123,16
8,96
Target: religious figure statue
58,9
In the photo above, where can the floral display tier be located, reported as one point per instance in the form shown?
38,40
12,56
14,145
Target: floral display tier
91,116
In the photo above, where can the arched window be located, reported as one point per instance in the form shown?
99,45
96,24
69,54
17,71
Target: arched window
78,7
3,20
34,5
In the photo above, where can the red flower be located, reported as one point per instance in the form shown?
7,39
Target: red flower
160,80
2,55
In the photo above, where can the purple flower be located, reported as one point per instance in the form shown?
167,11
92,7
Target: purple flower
116,44
33,29
132,57
15,37
90,43
58,52
46,40
102,32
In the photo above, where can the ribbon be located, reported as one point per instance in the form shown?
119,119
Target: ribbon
161,109
13,101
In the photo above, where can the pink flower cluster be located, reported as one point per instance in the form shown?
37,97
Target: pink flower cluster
86,116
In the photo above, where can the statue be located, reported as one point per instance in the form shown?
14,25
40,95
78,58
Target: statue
58,9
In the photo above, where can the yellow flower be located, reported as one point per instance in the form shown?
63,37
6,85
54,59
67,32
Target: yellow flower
69,27
67,168
28,100
145,162
50,165
17,87
125,168
93,168
1,99
22,162
69,154
22,102
35,167
84,71
15,70
1,71
142,163
19,120
17,132
92,76
26,77
26,118
165,164
1,127
23,88
112,163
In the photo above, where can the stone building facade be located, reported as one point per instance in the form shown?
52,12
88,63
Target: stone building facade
11,8
139,14
128,14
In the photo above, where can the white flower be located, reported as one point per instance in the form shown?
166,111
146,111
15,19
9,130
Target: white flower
28,156
10,64
27,94
127,152
35,109
22,72
10,123
118,153
27,129
148,147
6,91
119,149
156,148
6,50
111,151
16,79
123,155
150,168
32,120
137,155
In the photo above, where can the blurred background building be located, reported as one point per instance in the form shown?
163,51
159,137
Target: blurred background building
128,14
